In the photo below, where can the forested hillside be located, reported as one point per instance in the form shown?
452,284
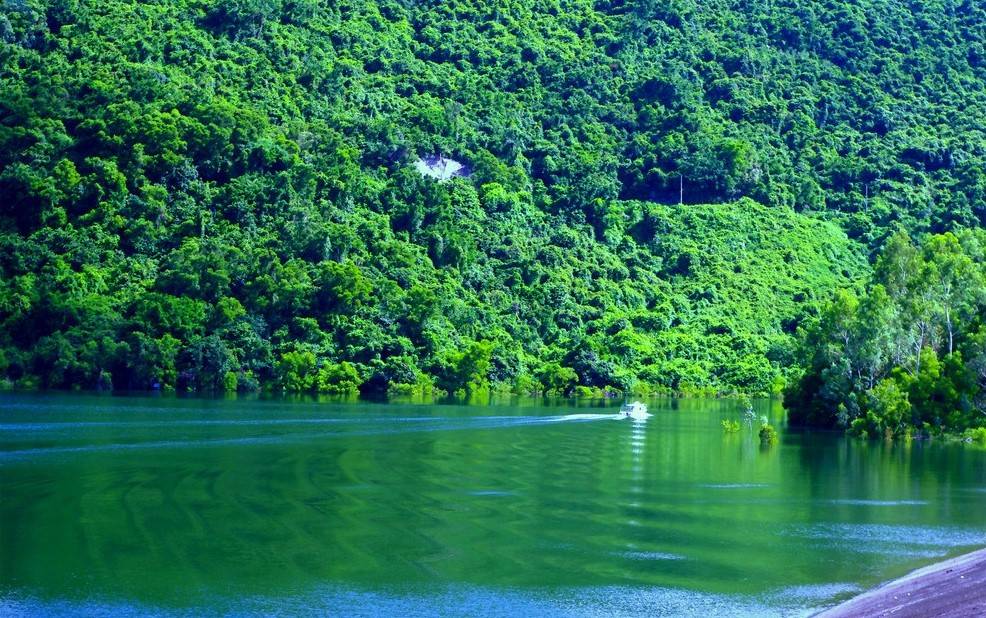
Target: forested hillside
222,194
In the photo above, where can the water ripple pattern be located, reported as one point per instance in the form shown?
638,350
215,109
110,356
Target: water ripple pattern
158,506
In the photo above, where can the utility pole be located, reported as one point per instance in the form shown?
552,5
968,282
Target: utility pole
681,189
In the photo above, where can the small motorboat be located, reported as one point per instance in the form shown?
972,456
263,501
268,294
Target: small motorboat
635,410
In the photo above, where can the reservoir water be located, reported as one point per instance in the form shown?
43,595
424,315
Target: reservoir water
172,506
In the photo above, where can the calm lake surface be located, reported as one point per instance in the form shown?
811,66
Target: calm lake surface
142,505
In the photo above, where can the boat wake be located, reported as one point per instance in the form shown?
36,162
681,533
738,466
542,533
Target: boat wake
134,435
583,417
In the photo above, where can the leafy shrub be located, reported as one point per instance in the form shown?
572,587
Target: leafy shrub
338,378
977,435
768,435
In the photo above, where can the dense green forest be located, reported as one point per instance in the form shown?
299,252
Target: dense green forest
663,197
910,352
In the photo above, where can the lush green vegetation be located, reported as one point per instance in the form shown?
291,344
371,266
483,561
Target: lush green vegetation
219,194
909,353
768,435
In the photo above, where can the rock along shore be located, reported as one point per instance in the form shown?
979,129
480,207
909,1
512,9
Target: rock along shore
955,587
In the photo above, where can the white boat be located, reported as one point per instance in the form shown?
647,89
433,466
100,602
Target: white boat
635,410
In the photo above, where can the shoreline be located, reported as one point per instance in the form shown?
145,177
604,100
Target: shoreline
954,587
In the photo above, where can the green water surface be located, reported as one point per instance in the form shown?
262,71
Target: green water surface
144,505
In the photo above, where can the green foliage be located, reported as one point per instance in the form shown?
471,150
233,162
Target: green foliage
885,411
466,371
894,358
296,371
557,380
230,382
729,426
423,386
768,435
660,195
338,378
977,435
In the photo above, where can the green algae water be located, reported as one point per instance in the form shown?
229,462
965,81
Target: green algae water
142,505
